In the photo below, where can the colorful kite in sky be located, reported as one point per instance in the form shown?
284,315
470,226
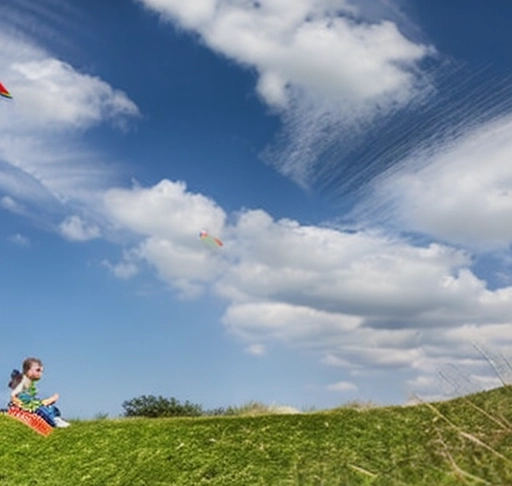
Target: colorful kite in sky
209,239
4,92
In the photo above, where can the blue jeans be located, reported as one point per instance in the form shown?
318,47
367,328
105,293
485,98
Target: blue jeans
48,413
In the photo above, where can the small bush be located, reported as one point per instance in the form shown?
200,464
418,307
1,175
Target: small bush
249,409
153,407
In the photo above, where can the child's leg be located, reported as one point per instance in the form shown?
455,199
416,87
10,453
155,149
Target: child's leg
48,413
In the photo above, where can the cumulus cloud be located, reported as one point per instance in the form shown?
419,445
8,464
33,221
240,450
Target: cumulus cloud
304,43
51,93
167,219
123,270
290,323
359,300
74,228
164,210
41,157
335,271
321,64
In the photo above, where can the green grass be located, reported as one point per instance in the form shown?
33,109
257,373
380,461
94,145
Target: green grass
467,441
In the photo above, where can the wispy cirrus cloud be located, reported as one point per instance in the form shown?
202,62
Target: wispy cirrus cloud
459,191
20,240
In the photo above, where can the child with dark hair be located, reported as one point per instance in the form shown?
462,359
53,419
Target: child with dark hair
24,393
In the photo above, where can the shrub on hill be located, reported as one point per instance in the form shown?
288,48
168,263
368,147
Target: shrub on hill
152,407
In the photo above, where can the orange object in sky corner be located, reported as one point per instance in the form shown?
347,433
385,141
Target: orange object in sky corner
4,92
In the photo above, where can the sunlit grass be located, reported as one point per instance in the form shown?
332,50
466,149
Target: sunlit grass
467,441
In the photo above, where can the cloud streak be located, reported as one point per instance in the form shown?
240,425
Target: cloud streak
461,193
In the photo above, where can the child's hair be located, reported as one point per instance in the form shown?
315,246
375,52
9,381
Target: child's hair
27,364
17,376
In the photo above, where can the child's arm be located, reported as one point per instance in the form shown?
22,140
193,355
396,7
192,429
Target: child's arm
16,400
50,400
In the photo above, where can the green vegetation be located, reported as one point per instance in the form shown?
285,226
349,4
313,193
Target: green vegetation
467,441
153,407
157,407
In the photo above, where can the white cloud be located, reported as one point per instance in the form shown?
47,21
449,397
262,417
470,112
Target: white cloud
462,193
41,155
336,271
167,220
362,301
358,300
51,93
191,14
304,43
74,228
342,386
123,270
20,240
337,361
330,55
321,64
11,204
256,349
291,323
164,210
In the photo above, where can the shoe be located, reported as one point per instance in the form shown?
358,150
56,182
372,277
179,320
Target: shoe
60,423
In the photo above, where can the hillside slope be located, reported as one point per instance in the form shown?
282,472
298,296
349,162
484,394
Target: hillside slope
463,441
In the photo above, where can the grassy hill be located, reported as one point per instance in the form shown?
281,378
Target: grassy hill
467,441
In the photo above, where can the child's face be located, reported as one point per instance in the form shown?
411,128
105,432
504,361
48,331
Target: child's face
35,372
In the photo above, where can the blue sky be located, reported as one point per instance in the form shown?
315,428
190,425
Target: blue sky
353,156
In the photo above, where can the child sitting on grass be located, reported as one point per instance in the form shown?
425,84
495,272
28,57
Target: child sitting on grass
24,393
